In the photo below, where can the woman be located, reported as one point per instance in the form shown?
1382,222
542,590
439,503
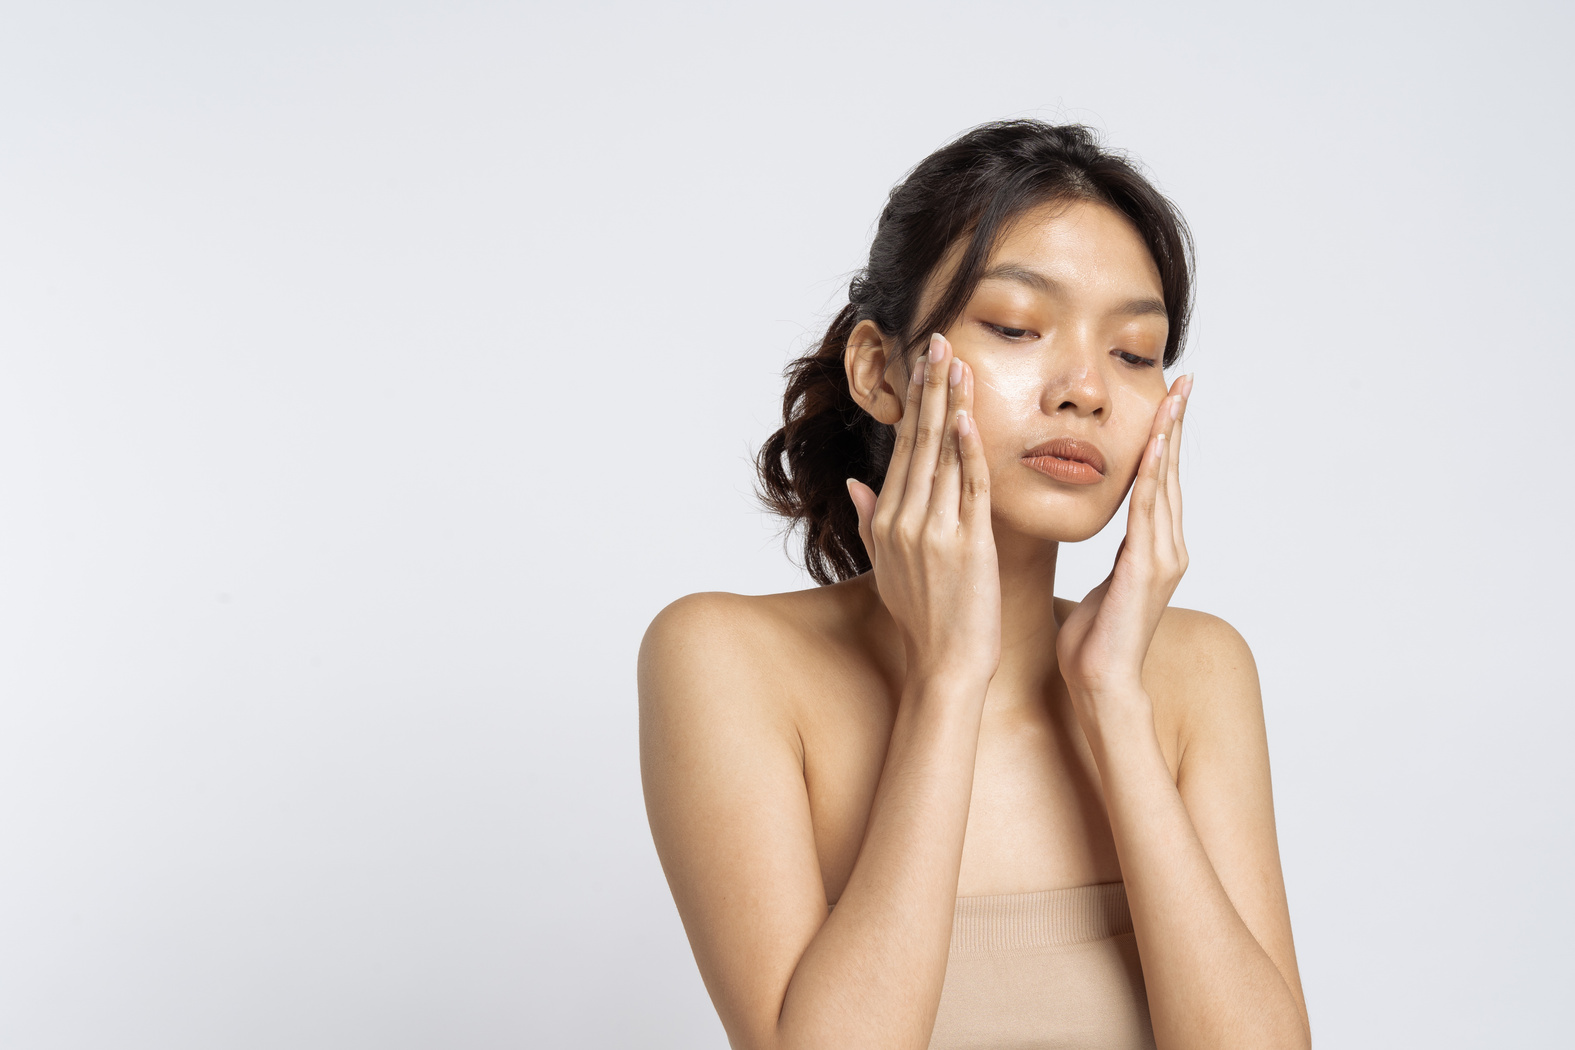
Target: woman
929,804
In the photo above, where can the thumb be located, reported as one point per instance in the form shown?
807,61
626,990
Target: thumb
863,498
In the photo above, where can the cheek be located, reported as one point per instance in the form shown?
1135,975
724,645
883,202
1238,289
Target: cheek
1002,401
1003,398
1133,415
1006,388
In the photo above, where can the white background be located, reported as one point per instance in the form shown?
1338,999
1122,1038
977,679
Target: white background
372,373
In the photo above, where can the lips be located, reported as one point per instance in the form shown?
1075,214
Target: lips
1067,459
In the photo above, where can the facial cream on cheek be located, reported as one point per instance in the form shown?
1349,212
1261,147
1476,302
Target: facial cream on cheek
1001,405
1010,386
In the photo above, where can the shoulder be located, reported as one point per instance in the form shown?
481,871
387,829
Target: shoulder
713,615
698,624
701,650
761,629
1194,645
715,632
720,648
1206,671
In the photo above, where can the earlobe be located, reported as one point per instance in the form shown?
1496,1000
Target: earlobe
869,356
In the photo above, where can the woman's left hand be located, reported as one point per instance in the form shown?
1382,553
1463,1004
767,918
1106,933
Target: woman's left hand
1104,640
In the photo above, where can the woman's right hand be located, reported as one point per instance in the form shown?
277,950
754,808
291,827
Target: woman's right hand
928,533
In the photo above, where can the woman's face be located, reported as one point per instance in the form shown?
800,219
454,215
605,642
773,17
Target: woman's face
1064,336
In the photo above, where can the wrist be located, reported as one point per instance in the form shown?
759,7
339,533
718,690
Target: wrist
1114,715
949,670
948,685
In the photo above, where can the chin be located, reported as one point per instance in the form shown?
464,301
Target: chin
1058,522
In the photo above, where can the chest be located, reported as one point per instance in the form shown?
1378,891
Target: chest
1036,815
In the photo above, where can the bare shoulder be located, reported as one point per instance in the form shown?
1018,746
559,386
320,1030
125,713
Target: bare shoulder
1199,642
705,625
716,655
714,633
1202,669
707,654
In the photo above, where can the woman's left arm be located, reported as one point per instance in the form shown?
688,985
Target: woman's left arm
1200,858
1198,852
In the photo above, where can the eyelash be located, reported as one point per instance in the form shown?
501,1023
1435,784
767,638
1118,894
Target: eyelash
1135,360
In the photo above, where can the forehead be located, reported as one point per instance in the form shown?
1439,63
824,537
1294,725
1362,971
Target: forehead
1081,245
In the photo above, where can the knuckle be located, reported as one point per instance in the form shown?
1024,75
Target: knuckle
923,435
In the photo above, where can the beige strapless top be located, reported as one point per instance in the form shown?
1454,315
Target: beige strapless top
1035,971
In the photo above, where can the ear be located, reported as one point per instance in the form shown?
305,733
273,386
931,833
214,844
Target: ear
873,361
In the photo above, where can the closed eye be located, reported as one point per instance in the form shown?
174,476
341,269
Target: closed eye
1001,330
1025,335
1134,359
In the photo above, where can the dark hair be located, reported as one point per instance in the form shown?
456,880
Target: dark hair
975,187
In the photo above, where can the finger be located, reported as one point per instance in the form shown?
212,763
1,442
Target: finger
948,468
902,448
974,512
1175,487
1164,509
930,427
1145,484
1169,415
1145,489
864,499
1163,536
1175,403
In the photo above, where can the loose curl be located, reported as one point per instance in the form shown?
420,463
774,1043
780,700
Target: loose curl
973,188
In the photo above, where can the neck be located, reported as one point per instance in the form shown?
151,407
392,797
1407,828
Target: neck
1028,621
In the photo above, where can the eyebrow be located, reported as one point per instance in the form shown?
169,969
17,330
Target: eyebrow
1043,283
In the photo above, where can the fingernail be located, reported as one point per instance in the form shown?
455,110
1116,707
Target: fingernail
1175,406
954,376
918,372
964,426
937,344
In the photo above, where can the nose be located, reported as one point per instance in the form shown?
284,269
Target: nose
1075,379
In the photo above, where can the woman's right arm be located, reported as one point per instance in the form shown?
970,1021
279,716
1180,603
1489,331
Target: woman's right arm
724,774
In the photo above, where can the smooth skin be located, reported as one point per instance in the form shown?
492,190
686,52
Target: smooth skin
944,726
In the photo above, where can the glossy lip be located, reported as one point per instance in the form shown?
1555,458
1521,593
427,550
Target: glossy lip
1067,459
